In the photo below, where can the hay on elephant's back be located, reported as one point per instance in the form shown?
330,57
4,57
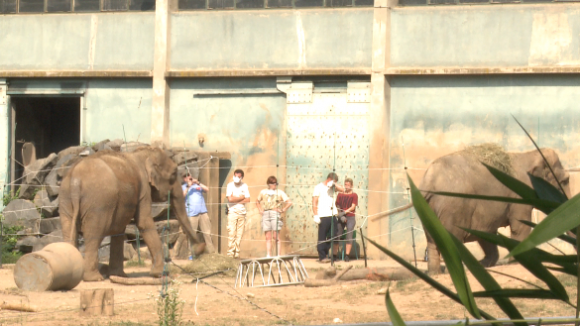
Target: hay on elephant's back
490,154
210,263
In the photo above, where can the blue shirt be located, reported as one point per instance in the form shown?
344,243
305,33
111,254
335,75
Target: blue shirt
194,202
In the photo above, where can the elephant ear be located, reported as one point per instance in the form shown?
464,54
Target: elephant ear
152,172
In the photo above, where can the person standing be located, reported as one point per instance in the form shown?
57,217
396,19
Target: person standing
196,210
324,210
238,195
346,203
271,203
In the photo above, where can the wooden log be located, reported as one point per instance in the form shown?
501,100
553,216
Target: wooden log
138,280
59,266
317,283
97,302
377,274
17,307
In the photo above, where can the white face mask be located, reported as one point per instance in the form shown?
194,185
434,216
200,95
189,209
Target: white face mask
237,179
330,183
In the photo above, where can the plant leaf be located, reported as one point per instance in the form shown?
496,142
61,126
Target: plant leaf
563,237
447,248
541,204
429,280
530,260
487,281
546,190
555,224
393,313
517,186
517,293
542,154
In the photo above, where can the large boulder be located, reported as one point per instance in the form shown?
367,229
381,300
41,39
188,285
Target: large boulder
114,145
131,146
53,237
34,175
73,150
100,145
52,181
28,244
187,162
20,212
129,252
181,248
168,234
105,250
48,206
49,225
159,211
61,173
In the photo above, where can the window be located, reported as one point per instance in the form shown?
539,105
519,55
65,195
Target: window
269,4
49,6
7,6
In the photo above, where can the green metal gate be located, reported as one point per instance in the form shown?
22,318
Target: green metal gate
326,131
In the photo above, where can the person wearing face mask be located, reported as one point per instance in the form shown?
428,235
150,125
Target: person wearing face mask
324,210
196,211
238,195
271,203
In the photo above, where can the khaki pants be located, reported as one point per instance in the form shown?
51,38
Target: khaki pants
205,225
235,228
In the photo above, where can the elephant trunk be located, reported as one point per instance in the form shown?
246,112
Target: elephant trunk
178,207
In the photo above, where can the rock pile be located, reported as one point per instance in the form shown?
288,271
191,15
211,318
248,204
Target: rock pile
36,208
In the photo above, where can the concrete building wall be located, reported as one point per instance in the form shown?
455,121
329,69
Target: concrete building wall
249,126
112,105
437,115
119,41
296,39
485,36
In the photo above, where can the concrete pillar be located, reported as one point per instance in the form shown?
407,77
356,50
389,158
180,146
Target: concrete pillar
4,134
380,113
160,114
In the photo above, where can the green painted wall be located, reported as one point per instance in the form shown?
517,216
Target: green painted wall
248,126
121,41
112,104
479,36
433,116
340,38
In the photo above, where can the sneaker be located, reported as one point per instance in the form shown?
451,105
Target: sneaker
335,258
325,260
346,258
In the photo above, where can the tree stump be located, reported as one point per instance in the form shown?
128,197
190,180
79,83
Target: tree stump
97,302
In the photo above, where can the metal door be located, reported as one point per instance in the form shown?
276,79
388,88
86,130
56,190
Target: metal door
326,131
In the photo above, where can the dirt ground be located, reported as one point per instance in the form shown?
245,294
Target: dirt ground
354,302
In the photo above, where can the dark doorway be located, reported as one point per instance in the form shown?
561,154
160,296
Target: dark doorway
51,124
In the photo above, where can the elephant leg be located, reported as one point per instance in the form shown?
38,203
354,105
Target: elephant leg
91,262
151,238
434,265
491,253
116,258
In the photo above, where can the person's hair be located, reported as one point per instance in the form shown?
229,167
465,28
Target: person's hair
332,176
349,180
239,171
186,174
272,179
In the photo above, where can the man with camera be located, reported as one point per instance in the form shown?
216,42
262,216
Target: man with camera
324,210
196,209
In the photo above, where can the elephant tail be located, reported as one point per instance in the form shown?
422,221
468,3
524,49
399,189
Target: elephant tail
75,196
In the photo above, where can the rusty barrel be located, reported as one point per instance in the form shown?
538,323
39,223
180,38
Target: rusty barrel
59,266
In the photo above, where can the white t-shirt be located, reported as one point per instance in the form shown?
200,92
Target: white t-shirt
326,205
237,190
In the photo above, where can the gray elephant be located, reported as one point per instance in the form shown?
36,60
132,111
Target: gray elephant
463,173
101,194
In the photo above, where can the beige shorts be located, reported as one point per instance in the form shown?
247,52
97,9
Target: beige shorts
269,221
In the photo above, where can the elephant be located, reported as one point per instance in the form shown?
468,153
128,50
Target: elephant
461,174
102,193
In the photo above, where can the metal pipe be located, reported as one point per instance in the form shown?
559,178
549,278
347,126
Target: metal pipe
505,321
364,246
